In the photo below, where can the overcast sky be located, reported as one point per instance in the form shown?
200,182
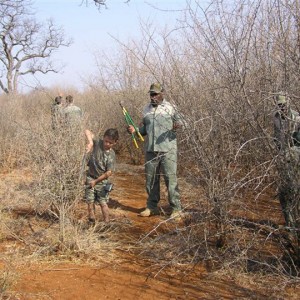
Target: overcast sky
91,30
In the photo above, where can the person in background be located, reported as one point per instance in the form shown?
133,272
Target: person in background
286,124
72,113
56,112
101,165
160,122
287,139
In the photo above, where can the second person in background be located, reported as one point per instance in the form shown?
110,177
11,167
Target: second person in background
72,113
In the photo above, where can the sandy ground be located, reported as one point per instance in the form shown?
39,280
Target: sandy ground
130,277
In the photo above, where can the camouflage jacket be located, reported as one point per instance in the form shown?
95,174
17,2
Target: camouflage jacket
56,115
100,161
158,125
72,113
285,127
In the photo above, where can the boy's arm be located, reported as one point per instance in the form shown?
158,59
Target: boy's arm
90,136
101,178
110,168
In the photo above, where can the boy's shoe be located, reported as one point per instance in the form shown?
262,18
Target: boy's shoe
149,212
91,221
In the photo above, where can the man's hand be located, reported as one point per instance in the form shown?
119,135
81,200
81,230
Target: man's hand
130,129
176,125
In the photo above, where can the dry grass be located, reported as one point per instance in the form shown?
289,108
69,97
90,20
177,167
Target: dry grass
8,277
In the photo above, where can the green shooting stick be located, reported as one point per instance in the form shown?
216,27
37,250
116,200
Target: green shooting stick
129,122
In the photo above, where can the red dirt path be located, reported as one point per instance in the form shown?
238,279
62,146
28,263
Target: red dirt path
131,278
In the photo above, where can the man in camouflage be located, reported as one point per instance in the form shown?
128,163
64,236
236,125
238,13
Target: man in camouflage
160,122
57,112
287,139
286,124
72,113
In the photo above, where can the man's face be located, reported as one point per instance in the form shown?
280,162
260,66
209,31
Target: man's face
282,107
156,98
108,143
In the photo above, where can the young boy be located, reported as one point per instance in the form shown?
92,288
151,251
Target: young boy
101,165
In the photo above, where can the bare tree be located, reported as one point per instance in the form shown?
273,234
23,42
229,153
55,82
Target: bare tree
26,46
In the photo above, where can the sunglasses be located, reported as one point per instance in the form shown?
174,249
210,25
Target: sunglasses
281,105
153,94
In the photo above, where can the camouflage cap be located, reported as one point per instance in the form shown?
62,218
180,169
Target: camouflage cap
69,99
58,100
156,88
280,99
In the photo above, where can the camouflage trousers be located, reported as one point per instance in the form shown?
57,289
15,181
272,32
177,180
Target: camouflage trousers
289,187
165,164
97,194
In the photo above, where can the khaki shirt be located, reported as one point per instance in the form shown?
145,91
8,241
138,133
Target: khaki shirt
158,126
73,114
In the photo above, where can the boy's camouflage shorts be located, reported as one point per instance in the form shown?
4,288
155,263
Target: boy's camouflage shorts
97,194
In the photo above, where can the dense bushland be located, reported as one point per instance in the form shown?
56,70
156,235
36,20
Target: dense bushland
221,66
